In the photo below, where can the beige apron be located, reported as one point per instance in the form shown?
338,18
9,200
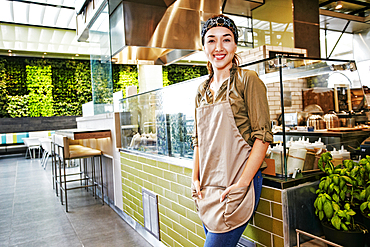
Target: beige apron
223,153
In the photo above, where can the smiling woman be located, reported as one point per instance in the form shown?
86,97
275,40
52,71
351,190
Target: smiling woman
231,135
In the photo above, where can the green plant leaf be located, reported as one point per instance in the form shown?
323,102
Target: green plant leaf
321,215
328,197
331,187
328,209
336,180
343,226
362,195
336,188
341,213
347,179
351,212
342,182
335,206
335,198
336,222
347,206
363,206
321,185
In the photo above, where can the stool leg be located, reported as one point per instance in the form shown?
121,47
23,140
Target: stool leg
52,169
93,175
60,181
101,180
79,162
65,186
86,174
56,164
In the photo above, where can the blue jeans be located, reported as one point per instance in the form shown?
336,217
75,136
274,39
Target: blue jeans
231,238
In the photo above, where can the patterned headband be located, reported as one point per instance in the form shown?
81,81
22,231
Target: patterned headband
220,21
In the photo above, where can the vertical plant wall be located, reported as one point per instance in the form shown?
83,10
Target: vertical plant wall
58,87
40,101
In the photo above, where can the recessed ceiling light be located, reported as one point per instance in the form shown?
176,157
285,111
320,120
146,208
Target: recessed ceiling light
77,55
339,5
9,50
45,53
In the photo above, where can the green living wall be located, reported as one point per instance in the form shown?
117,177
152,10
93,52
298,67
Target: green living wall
32,87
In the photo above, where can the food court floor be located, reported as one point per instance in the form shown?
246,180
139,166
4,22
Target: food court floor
31,214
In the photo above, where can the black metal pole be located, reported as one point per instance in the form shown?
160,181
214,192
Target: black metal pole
282,114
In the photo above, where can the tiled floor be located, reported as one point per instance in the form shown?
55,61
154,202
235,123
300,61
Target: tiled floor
31,214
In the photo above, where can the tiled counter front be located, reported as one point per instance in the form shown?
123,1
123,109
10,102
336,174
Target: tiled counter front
179,222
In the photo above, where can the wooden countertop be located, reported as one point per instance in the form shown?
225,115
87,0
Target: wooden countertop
77,134
337,132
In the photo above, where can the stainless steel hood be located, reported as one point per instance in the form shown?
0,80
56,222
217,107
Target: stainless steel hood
163,31
151,33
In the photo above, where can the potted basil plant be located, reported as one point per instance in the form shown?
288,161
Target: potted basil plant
337,196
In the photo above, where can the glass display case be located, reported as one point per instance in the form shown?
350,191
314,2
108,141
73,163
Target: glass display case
315,106
160,121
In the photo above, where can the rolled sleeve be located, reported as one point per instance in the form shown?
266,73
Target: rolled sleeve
258,108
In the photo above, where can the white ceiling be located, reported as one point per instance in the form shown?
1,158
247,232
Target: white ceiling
41,26
59,14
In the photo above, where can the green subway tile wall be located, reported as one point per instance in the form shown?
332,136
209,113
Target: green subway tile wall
266,227
179,222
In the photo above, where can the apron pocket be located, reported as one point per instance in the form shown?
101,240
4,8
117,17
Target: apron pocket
210,208
234,198
239,206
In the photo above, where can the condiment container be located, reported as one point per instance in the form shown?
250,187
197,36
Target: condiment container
346,155
337,157
318,145
296,157
277,155
289,143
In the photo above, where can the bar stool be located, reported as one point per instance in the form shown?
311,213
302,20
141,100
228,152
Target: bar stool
57,154
66,152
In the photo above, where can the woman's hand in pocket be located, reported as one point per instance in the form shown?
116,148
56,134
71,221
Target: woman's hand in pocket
196,186
230,188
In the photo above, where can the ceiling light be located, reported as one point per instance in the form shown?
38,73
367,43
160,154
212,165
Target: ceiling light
45,53
9,51
77,55
339,5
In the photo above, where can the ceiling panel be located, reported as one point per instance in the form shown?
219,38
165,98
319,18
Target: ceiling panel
338,24
20,12
36,14
41,13
34,35
350,7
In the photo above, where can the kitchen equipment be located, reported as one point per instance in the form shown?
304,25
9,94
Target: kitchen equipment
313,109
344,119
351,122
316,121
365,148
331,120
